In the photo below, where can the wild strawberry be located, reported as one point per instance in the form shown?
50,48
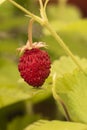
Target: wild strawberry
34,66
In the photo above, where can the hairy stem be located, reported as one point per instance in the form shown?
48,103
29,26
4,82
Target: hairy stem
45,5
63,45
44,22
30,33
36,18
42,10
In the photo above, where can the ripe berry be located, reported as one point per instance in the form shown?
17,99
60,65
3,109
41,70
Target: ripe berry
34,66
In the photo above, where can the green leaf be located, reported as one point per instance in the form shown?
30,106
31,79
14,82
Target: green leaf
66,65
44,92
56,125
72,88
24,120
1,1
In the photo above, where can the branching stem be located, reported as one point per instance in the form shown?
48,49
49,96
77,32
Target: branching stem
36,18
44,22
63,45
45,5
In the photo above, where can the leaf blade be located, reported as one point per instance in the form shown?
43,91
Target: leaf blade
51,125
76,96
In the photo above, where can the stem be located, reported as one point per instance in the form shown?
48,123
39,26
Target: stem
30,32
44,22
36,18
63,45
62,2
41,4
42,10
58,98
45,5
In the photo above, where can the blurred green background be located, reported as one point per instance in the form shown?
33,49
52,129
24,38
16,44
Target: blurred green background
20,104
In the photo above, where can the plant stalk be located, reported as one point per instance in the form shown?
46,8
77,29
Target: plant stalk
36,18
63,45
44,22
30,33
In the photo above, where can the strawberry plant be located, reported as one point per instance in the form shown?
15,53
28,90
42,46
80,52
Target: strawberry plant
47,73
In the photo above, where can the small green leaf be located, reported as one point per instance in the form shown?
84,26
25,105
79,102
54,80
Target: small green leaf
56,125
1,1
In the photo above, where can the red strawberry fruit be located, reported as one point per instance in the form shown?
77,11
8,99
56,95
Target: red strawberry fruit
34,66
